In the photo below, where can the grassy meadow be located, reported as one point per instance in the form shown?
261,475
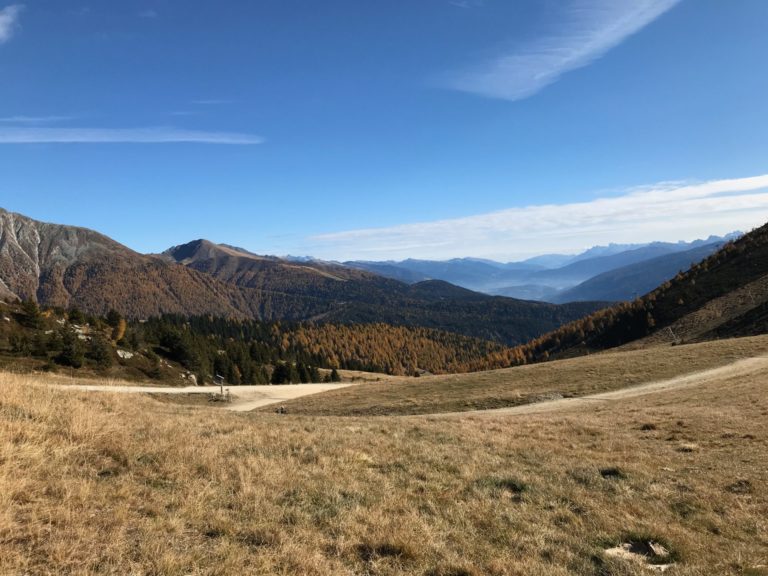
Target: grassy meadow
103,483
526,384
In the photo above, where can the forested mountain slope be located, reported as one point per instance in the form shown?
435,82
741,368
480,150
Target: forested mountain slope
488,317
67,266
724,294
346,295
629,282
173,347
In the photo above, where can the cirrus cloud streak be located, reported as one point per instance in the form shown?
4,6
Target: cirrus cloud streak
586,30
9,19
152,135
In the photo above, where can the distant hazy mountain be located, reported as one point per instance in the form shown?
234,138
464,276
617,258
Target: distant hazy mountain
338,293
613,248
474,274
560,260
550,260
538,278
724,295
629,282
537,292
580,270
390,270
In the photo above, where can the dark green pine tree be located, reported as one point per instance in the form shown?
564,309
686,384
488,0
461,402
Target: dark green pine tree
113,318
19,344
281,374
71,350
76,316
261,376
293,377
31,317
303,372
40,345
100,351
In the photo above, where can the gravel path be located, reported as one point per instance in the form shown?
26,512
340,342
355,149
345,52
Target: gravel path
244,398
744,367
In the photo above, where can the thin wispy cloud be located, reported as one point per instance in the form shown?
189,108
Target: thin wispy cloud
466,3
34,119
9,21
152,135
150,14
586,30
212,102
667,211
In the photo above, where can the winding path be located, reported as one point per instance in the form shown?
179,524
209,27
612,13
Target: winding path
244,398
740,368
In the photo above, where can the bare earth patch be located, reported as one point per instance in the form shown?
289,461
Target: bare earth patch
243,398
650,554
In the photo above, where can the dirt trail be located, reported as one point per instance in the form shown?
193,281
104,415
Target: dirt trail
244,398
739,368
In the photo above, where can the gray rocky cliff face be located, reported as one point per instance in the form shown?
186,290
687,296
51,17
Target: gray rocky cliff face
19,259
34,256
67,266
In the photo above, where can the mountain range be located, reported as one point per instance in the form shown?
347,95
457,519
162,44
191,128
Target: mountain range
724,295
65,266
711,289
555,277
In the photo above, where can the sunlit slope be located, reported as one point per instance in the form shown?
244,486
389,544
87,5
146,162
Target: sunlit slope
115,484
729,284
526,384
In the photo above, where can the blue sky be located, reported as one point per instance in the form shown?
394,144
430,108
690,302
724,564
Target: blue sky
360,129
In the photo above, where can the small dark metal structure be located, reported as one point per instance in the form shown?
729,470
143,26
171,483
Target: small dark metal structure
218,379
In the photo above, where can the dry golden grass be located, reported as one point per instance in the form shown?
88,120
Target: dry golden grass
110,484
526,384
85,378
359,376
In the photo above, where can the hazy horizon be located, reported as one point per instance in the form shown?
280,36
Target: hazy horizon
575,251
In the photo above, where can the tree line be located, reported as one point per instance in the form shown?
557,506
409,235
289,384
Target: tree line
241,351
